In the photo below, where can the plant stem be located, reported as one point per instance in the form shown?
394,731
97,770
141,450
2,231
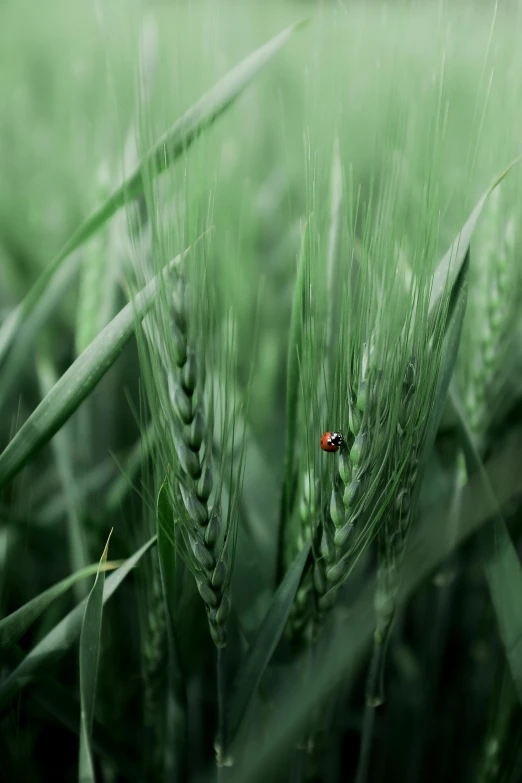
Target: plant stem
373,698
375,681
363,767
177,717
221,744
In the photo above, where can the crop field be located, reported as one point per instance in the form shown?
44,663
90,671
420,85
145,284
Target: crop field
260,391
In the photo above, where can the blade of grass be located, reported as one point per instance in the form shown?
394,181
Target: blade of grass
31,325
78,381
450,349
16,624
165,152
60,638
449,267
98,280
53,698
502,565
90,636
262,649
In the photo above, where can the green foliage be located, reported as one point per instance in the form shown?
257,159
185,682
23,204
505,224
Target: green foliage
263,646
16,624
501,561
164,152
89,660
76,384
57,640
281,278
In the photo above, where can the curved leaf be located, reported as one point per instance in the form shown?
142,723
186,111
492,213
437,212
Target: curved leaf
79,380
58,641
16,624
165,152
449,268
89,656
449,352
502,564
259,655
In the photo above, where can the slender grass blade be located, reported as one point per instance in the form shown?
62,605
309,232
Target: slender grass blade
16,624
449,268
62,636
501,562
163,154
270,632
80,379
90,636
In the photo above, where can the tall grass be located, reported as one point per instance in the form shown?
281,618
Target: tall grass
307,239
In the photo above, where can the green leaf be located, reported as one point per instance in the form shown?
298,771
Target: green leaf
267,639
452,272
165,152
33,321
58,641
16,624
449,352
449,268
200,116
89,656
79,380
502,565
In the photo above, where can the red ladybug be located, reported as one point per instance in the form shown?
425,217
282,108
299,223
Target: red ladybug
332,441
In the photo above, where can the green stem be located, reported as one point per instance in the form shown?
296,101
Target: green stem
375,681
363,768
177,720
221,743
436,645
374,697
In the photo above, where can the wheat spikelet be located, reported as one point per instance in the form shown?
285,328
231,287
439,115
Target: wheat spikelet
186,419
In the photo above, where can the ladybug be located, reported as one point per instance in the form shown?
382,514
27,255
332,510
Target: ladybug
332,441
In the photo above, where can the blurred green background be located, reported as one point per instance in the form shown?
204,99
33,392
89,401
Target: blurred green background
426,101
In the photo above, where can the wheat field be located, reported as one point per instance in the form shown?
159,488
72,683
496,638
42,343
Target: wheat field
260,383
